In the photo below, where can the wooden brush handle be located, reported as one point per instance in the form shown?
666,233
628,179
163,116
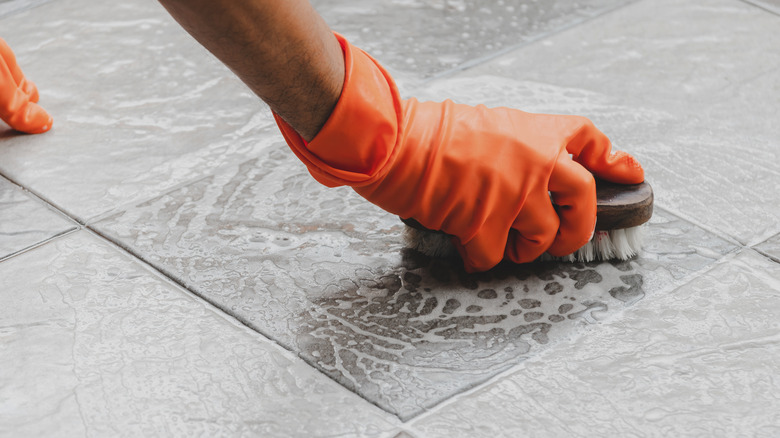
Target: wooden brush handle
622,206
618,206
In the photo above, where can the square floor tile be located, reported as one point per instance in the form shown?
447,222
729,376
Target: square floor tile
419,39
324,273
700,360
95,344
25,221
689,87
138,106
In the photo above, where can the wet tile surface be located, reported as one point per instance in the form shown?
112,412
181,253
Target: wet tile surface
771,248
8,7
138,106
94,344
419,39
26,221
697,82
701,360
159,148
324,273
770,5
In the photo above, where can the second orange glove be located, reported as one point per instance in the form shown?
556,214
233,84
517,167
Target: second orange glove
18,97
483,175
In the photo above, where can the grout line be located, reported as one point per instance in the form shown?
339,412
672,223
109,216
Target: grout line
79,225
38,196
714,231
765,240
23,8
403,429
76,225
767,255
212,173
682,282
41,243
585,331
293,354
167,276
484,59
163,274
124,206
763,7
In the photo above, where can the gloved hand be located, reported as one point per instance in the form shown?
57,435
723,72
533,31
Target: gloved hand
19,97
482,175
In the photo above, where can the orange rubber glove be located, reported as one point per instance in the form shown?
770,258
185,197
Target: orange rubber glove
19,97
482,175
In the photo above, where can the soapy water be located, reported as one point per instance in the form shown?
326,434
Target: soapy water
324,273
391,337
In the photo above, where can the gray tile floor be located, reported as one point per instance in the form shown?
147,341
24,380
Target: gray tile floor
189,278
18,232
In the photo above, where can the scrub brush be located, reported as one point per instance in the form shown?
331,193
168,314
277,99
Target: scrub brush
621,212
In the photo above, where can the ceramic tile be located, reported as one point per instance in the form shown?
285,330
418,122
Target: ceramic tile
423,38
769,5
689,87
26,221
324,273
771,248
702,360
138,106
95,344
8,7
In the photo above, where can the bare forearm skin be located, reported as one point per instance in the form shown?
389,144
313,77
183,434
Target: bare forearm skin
282,49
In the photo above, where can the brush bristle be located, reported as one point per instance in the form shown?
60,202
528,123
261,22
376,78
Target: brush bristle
622,244
430,243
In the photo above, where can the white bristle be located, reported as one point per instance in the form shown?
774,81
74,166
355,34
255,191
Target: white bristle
620,244
605,245
429,243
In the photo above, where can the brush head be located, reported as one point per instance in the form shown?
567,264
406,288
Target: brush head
621,212
621,206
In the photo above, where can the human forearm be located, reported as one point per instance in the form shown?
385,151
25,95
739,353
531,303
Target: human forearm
282,50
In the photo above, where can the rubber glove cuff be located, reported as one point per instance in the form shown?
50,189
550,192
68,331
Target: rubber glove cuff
362,136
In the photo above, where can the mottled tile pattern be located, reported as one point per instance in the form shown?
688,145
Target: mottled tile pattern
26,221
138,106
771,248
701,360
697,83
8,7
95,344
324,273
769,5
159,148
419,39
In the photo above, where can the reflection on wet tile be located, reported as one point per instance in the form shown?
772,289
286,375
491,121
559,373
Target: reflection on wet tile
323,272
697,82
25,221
702,359
94,344
422,38
138,106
